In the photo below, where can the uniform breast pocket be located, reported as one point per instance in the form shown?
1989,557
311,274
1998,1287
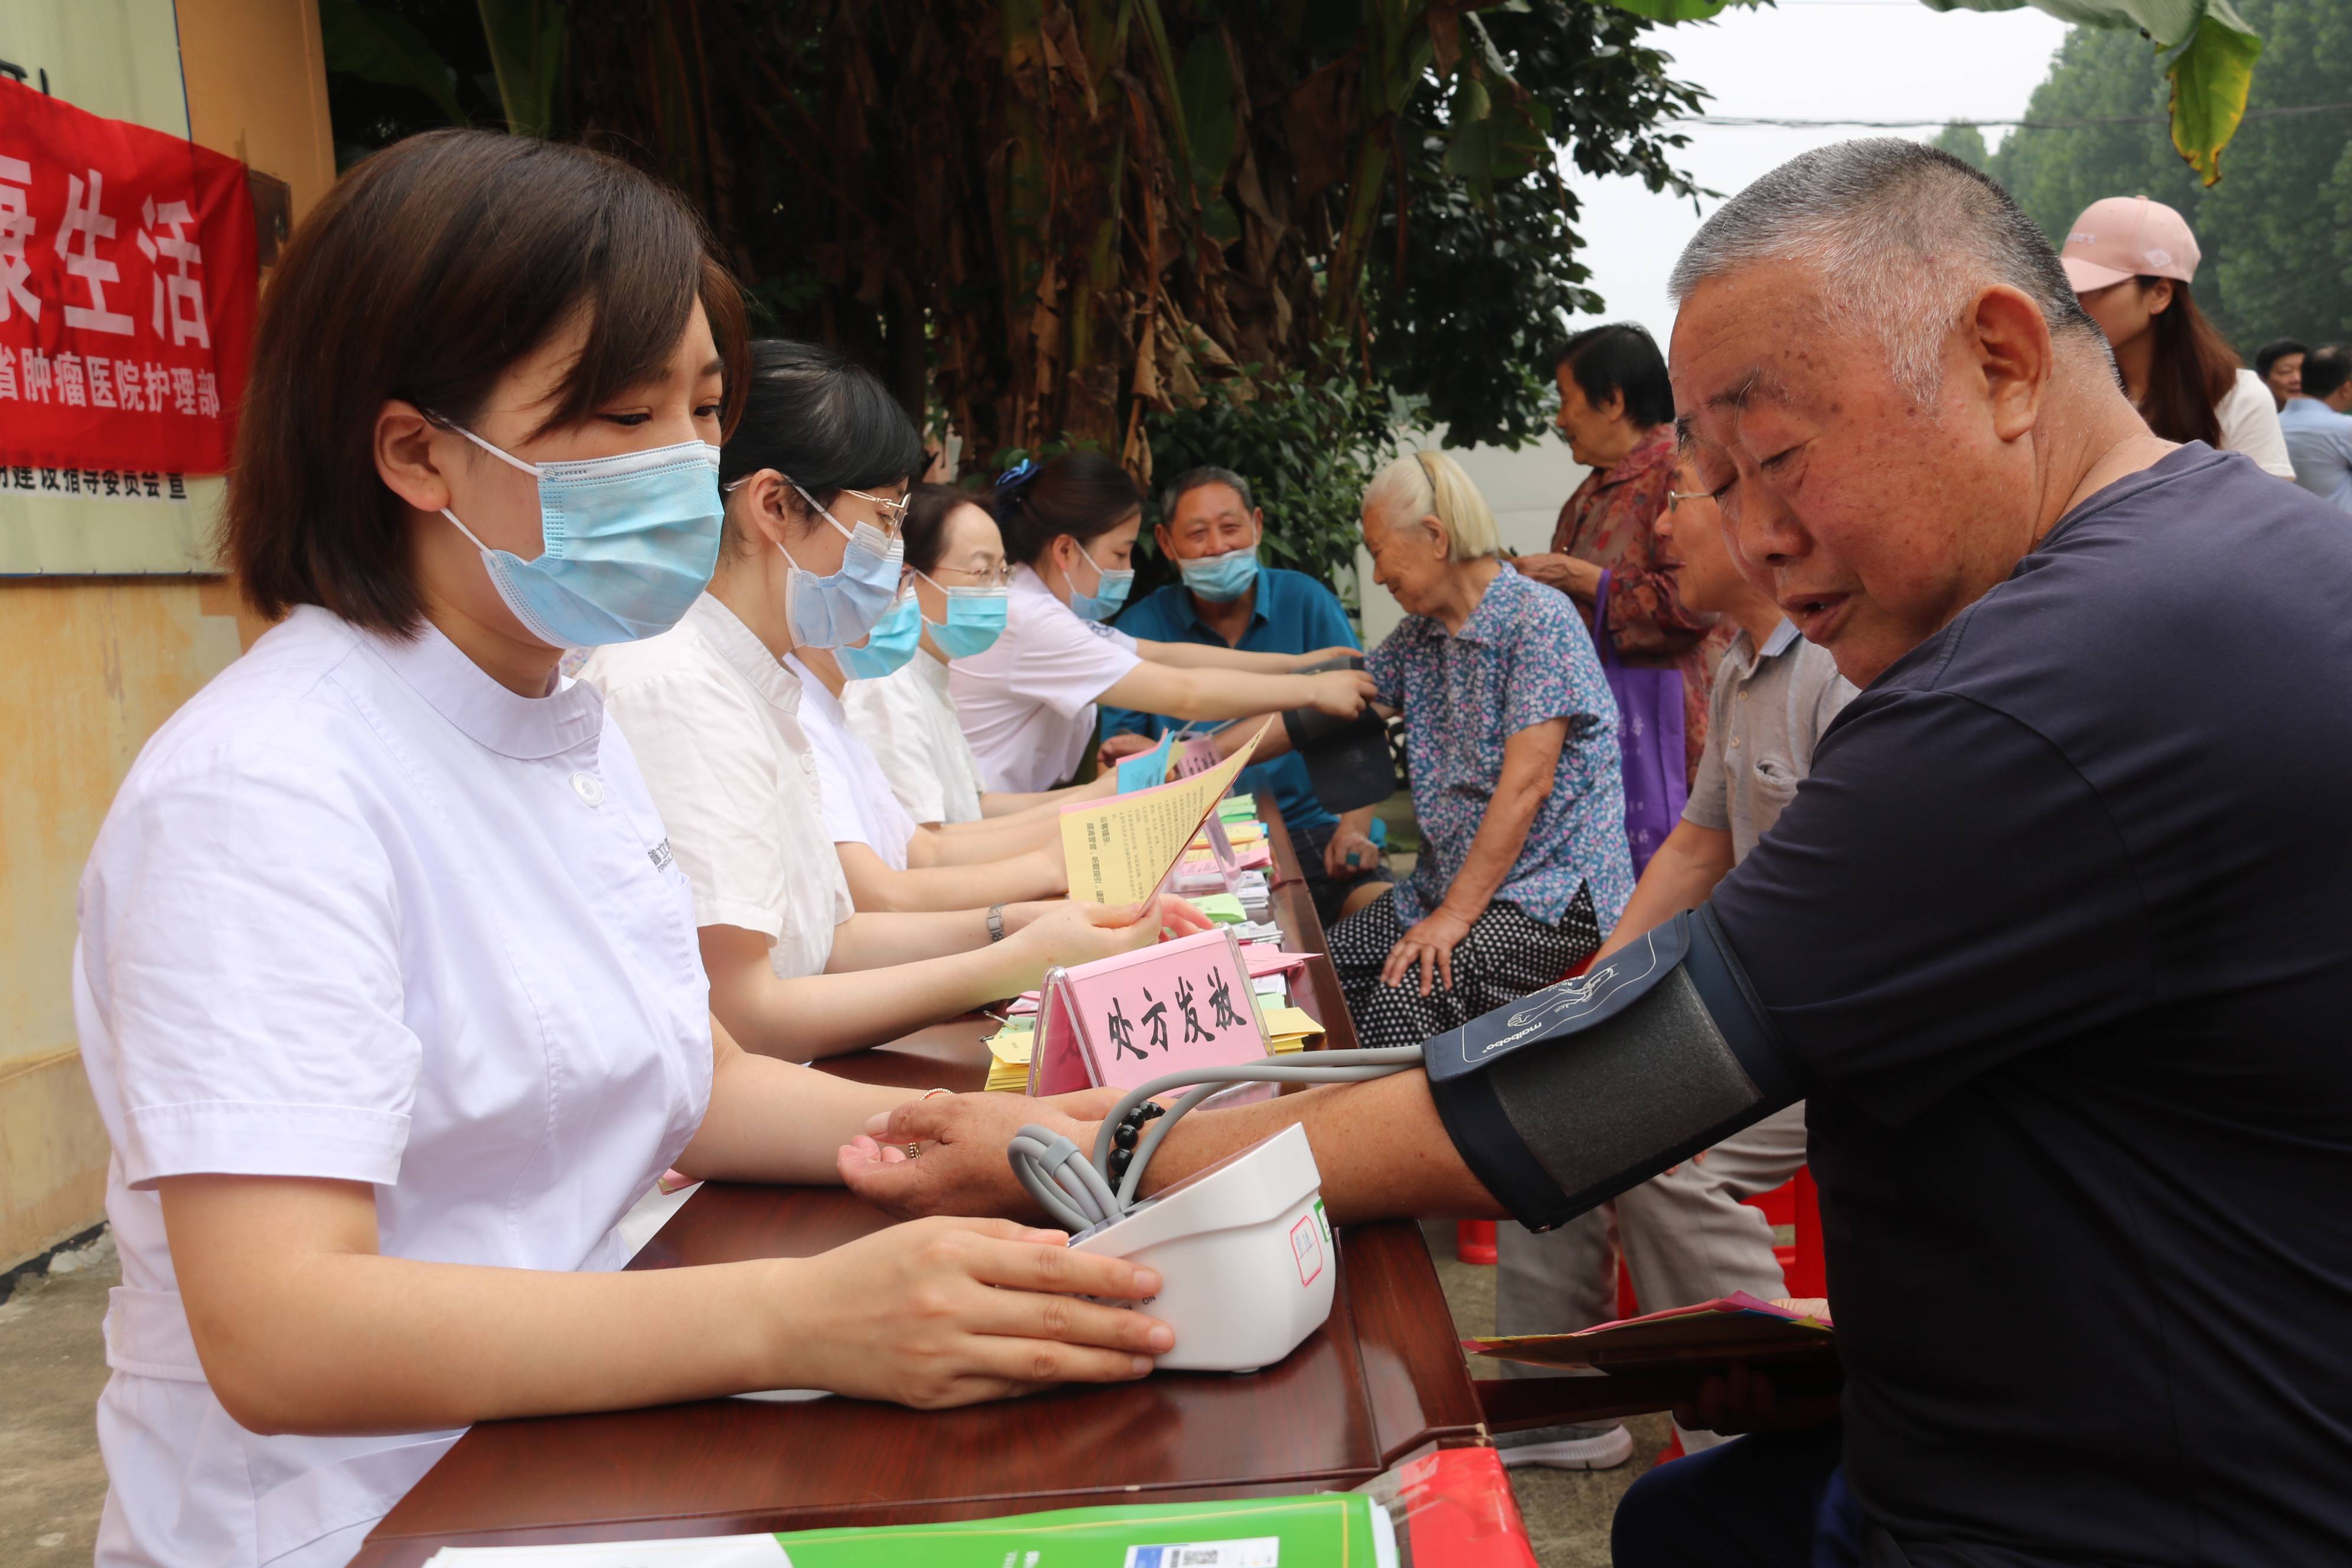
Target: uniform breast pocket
1776,785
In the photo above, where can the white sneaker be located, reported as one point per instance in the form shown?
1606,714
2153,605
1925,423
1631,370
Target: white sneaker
1567,1448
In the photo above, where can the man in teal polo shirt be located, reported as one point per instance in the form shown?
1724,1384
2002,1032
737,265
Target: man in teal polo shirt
1211,529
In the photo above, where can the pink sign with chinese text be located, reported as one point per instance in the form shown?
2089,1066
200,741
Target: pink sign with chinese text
1126,1020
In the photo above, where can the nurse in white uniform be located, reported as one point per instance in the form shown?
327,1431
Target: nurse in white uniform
957,575
721,721
1027,701
387,984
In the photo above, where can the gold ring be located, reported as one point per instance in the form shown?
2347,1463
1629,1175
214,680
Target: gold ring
913,1150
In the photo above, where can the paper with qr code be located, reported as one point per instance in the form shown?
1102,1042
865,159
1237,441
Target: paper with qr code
1260,1552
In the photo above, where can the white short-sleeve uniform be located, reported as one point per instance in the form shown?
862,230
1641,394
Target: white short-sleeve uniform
859,808
907,720
716,723
1027,701
360,912
2249,424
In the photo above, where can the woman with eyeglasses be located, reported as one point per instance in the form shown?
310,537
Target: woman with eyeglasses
718,711
1027,702
958,579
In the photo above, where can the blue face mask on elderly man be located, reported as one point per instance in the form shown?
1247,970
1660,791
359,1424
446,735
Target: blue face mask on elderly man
1221,579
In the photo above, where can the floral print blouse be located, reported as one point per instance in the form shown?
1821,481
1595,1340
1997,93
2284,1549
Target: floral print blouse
1522,657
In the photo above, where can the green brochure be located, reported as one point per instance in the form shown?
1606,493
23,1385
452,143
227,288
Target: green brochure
1328,1530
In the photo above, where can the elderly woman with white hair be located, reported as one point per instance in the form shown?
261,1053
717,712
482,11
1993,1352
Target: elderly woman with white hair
1511,739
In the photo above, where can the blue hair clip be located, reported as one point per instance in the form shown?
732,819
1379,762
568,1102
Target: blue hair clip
1019,474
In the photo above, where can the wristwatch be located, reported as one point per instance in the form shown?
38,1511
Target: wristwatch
996,922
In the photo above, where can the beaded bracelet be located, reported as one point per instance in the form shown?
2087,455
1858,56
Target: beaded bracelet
1124,1136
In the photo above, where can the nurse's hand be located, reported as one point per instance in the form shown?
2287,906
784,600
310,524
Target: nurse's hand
963,1168
1342,693
1070,933
953,1312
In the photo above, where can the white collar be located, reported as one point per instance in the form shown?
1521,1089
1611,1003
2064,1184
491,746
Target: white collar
740,647
463,692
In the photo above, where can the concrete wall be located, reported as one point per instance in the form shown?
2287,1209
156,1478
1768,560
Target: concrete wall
1525,489
96,663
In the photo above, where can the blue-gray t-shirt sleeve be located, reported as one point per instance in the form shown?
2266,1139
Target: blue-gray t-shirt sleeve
1945,894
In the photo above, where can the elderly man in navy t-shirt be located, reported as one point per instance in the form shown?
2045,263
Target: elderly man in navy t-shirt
2053,941
1212,530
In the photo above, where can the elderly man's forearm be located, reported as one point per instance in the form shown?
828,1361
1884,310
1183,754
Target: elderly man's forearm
1382,1149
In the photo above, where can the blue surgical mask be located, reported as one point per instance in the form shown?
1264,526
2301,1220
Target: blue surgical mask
889,646
975,619
840,609
626,543
1222,579
1110,592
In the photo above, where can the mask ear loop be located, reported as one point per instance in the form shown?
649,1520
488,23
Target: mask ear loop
504,457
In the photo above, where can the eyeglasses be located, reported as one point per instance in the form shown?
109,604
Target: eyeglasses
1674,496
995,576
894,512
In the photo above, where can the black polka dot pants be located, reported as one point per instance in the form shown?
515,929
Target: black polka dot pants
1507,954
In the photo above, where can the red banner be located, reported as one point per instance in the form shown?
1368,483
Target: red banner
128,276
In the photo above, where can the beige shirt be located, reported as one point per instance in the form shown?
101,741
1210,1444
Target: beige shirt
907,720
714,721
1766,714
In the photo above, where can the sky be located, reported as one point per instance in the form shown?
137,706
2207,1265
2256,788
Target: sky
1873,60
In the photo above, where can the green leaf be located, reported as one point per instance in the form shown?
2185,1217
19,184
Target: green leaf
2211,78
1205,89
388,50
2211,68
526,40
1474,153
1683,10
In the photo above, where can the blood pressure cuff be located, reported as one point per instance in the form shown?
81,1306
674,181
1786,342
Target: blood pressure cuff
1575,1093
1348,761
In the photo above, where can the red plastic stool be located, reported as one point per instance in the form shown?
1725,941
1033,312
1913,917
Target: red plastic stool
1474,1241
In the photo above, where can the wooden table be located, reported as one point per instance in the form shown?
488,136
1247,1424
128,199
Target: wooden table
1380,1379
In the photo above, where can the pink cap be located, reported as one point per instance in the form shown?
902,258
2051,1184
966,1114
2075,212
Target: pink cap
2127,236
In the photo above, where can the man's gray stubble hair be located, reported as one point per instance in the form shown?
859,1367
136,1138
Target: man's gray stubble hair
1902,236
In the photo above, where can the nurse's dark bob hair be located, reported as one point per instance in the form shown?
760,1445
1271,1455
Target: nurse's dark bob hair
424,274
821,422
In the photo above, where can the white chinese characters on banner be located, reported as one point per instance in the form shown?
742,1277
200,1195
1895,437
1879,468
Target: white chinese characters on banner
179,298
16,229
129,265
87,225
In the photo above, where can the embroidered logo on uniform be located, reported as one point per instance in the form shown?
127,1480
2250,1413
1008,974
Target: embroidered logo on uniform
661,857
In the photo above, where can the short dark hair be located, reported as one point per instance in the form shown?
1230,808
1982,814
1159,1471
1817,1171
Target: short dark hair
2277,349
1191,479
825,423
424,274
2325,369
1621,357
1082,494
929,507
